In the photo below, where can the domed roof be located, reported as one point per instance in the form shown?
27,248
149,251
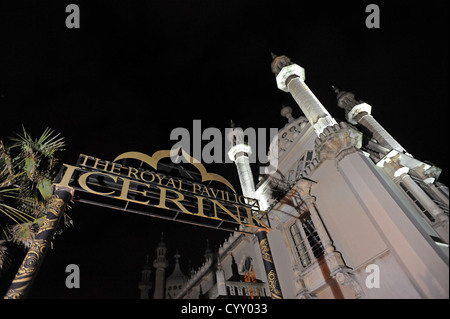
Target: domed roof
176,280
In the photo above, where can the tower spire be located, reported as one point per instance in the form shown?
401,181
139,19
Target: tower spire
160,263
176,280
239,153
291,78
208,252
345,100
359,112
145,284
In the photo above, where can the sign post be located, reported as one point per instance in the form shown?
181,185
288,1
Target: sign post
269,266
35,255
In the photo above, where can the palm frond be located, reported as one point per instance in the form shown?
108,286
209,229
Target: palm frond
6,167
46,145
27,168
24,233
3,254
14,214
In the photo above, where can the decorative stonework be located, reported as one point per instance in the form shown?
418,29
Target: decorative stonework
287,73
352,107
302,291
427,172
352,115
337,141
345,277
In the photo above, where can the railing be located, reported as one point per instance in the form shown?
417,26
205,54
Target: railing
239,289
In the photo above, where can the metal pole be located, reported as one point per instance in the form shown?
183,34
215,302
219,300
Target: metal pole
269,266
35,255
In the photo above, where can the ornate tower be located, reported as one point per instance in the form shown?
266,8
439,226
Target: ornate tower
239,154
160,263
358,112
208,252
176,281
413,177
291,78
145,284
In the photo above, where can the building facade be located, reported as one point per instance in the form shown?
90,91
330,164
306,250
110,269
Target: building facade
353,214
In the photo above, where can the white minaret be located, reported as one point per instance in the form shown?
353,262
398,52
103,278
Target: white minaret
359,112
291,78
239,154
145,284
160,263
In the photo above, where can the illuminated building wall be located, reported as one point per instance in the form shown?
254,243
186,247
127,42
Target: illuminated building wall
354,215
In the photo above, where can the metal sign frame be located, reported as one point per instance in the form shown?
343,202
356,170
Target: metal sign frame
118,185
145,187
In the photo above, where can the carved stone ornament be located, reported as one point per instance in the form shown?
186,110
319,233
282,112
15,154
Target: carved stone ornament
345,278
292,70
337,141
279,62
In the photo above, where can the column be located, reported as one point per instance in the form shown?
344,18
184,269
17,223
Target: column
423,198
23,280
441,221
400,174
269,265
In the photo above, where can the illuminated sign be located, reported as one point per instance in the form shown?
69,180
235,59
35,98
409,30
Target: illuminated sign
139,183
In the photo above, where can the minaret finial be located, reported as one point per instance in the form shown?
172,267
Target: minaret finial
335,89
219,265
286,111
345,100
177,256
279,62
160,263
208,252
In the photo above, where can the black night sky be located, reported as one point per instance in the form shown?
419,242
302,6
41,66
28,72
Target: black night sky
135,70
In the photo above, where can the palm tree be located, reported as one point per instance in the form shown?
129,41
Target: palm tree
27,168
